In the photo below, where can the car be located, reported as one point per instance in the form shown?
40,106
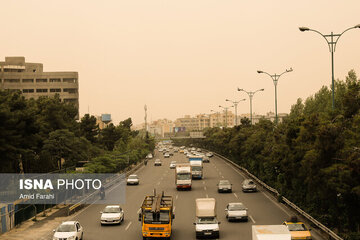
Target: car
188,155
112,214
297,229
224,186
209,154
132,180
161,149
149,156
157,162
206,159
198,149
173,164
236,211
167,155
193,149
249,185
171,153
69,230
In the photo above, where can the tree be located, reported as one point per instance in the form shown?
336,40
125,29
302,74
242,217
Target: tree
88,128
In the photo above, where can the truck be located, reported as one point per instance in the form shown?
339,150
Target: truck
270,232
206,224
196,164
156,216
183,176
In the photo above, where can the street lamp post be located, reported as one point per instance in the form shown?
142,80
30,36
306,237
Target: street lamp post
331,40
226,109
251,95
275,79
235,106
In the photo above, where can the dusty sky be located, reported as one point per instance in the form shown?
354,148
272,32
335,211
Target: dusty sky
183,56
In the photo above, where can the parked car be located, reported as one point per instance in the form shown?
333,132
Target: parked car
236,211
248,185
297,229
157,162
132,180
173,164
69,230
113,214
224,186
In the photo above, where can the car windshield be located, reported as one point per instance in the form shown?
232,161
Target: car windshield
66,228
236,207
296,227
225,182
206,220
133,177
111,210
183,176
163,217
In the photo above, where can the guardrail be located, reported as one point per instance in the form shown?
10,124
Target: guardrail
77,206
326,230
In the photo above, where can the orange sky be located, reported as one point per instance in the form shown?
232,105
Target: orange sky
183,57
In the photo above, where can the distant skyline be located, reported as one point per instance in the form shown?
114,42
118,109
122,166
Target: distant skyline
183,57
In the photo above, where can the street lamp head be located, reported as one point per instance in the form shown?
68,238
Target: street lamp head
220,106
227,100
262,89
357,26
259,71
303,29
289,70
240,89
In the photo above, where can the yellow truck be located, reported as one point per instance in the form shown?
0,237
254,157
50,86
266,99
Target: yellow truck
156,216
298,229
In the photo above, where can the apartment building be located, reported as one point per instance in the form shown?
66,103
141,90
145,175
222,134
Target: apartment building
33,82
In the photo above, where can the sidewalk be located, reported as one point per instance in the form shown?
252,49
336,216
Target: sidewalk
42,229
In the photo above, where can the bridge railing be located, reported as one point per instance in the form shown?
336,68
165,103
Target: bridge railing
315,222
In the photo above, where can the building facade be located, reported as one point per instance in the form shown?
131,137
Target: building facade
33,82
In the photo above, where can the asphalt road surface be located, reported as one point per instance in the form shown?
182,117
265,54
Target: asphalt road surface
262,208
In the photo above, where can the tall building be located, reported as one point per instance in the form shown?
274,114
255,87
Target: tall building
33,82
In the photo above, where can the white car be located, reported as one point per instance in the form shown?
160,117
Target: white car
112,215
209,154
166,155
149,156
236,212
71,230
173,164
132,180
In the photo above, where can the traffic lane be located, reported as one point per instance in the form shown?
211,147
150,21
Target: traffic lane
90,217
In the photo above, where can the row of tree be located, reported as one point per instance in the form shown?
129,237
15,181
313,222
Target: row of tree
312,157
43,135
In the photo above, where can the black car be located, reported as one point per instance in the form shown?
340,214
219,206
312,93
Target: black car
224,186
249,186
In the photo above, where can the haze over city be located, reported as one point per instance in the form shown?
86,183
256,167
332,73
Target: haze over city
183,57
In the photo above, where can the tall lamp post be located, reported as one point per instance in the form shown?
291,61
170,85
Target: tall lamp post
275,79
331,40
226,109
235,106
251,95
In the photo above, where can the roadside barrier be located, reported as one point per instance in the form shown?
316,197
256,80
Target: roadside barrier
326,230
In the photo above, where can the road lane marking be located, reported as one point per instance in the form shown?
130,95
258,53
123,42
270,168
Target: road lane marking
176,197
222,176
207,196
205,188
204,182
235,195
127,227
252,219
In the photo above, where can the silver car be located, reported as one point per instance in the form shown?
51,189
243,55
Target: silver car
113,214
249,186
133,180
69,230
224,186
236,212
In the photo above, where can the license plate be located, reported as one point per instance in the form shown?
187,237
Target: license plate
207,233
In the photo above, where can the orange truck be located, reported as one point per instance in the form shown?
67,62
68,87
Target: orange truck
156,216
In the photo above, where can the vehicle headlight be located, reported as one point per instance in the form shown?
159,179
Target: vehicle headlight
216,229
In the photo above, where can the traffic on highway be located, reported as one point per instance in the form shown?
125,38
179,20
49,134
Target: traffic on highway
220,202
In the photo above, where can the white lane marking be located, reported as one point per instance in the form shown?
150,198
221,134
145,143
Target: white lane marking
222,176
127,227
176,196
205,188
204,182
252,219
207,196
235,195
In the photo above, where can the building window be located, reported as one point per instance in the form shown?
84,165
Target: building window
28,90
70,90
11,80
28,80
41,90
70,80
55,89
55,80
41,80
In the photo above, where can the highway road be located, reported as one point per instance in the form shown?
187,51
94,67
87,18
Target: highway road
262,208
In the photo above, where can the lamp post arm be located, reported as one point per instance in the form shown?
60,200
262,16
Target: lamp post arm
340,36
327,41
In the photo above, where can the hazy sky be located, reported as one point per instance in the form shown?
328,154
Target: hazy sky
183,56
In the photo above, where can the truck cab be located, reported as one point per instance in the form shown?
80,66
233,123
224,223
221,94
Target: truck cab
196,169
183,177
156,216
206,223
